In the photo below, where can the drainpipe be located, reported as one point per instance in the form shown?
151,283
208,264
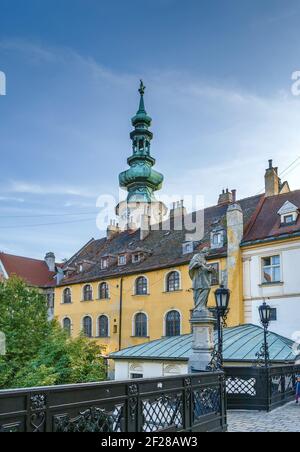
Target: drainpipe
121,314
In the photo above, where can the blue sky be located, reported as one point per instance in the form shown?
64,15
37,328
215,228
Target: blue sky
218,77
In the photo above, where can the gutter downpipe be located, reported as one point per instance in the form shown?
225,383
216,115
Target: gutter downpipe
121,314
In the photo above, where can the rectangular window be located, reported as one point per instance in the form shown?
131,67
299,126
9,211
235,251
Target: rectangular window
215,279
288,219
271,269
122,259
134,376
104,263
273,317
136,258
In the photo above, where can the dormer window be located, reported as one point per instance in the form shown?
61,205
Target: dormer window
122,259
187,248
288,214
136,258
288,219
104,263
217,239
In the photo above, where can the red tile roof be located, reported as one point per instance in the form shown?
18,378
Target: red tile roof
267,223
35,272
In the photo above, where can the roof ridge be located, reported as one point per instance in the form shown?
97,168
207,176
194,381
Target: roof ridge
22,257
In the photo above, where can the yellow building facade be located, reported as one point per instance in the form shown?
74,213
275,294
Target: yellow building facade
122,306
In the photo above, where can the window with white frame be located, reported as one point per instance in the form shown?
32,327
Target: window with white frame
217,239
288,219
136,258
104,263
103,326
173,282
289,213
271,269
187,248
122,259
141,286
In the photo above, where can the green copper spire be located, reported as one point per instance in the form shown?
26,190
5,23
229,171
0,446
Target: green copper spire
141,181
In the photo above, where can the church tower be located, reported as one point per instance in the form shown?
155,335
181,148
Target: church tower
141,181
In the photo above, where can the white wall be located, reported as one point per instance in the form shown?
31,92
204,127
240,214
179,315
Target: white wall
149,369
285,296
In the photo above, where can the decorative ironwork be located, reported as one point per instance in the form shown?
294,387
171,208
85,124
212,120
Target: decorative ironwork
262,356
241,386
206,401
188,391
133,391
92,420
157,405
162,413
38,404
215,364
11,428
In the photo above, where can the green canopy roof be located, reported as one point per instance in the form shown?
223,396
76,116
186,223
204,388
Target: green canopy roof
241,343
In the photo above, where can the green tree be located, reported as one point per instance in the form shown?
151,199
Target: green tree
40,353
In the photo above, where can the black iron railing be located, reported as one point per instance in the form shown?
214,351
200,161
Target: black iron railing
260,388
191,403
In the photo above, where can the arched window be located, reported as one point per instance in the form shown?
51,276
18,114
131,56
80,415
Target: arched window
103,326
103,291
173,324
87,292
173,282
67,325
67,296
140,325
87,326
141,286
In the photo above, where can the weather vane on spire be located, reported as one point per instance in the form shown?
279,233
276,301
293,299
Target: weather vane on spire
142,88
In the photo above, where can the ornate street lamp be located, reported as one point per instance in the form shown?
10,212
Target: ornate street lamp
265,312
222,297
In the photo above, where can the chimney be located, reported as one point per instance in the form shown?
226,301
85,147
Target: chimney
233,196
112,230
272,181
145,226
131,225
50,261
226,197
178,209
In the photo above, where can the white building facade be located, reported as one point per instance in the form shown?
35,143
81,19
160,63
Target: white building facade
271,272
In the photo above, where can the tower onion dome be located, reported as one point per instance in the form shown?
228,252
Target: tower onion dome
141,181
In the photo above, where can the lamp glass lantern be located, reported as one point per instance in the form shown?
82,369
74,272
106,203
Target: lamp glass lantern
265,312
222,296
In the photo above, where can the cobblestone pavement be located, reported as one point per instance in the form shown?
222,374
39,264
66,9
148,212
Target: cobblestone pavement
285,419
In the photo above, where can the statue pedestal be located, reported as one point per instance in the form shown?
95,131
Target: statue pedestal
203,341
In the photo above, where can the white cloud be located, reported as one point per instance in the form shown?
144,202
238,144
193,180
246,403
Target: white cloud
39,189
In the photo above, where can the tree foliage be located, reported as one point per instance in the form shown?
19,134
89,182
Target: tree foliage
40,353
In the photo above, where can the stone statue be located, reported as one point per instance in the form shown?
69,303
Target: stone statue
200,273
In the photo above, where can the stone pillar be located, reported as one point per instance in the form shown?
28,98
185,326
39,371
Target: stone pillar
203,341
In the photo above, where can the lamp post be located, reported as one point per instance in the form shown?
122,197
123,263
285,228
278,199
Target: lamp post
265,317
222,297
